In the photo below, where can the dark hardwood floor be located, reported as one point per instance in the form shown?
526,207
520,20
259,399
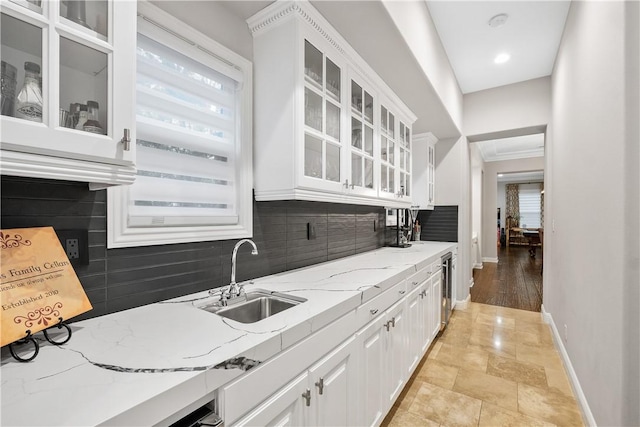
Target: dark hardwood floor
515,281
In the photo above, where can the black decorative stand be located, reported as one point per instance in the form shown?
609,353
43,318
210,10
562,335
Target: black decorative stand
30,339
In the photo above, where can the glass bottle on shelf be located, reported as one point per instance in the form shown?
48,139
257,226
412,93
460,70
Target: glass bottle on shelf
92,124
29,99
8,94
83,116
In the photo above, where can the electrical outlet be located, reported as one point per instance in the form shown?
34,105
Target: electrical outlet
75,244
72,248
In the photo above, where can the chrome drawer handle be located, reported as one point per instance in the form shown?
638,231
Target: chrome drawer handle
414,283
307,397
320,385
374,311
402,292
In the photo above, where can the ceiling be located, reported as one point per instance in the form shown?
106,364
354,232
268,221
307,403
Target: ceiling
518,147
531,36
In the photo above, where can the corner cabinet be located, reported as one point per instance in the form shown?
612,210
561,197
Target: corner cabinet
323,115
77,120
424,171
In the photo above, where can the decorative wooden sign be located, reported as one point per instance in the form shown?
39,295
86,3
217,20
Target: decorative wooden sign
38,286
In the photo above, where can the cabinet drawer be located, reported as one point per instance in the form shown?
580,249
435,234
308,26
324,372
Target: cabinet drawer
414,281
376,306
437,265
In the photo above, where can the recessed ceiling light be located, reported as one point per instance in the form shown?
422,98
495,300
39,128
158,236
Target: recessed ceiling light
498,20
502,58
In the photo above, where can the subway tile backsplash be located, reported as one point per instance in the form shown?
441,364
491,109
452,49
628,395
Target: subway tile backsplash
118,279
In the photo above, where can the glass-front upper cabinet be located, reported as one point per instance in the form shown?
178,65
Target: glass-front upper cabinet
404,157
362,139
388,158
322,117
395,156
68,80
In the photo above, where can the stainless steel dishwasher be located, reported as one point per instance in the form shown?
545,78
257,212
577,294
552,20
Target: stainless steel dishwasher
447,267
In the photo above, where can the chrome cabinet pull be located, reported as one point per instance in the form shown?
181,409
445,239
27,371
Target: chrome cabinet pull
374,311
307,397
402,292
414,283
320,385
126,139
386,325
393,321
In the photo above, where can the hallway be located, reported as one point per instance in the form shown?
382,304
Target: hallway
493,366
515,281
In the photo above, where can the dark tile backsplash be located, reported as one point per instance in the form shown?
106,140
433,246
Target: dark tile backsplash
440,224
117,279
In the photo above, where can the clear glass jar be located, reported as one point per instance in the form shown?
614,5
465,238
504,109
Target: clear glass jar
83,116
29,100
92,124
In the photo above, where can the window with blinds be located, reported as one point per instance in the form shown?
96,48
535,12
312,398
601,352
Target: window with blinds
529,202
193,140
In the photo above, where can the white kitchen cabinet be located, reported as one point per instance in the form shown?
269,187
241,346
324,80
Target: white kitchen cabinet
287,407
324,395
437,301
424,171
395,156
333,385
318,126
382,363
86,55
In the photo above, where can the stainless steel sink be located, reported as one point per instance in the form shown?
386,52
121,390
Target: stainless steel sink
256,305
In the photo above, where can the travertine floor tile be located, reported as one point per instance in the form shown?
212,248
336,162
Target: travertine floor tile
543,356
533,327
468,358
446,407
458,339
557,379
536,338
494,343
520,315
400,418
438,374
433,351
549,405
498,391
494,416
496,321
408,394
517,371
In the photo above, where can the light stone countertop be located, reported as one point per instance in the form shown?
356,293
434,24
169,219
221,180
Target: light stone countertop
149,362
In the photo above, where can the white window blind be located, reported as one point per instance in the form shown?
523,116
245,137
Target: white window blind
193,140
186,133
529,205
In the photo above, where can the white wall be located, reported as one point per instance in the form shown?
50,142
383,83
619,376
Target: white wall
490,199
477,171
591,206
453,187
419,32
500,112
214,20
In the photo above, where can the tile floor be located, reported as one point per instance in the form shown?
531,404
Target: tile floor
492,366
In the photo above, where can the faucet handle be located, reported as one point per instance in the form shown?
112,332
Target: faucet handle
241,289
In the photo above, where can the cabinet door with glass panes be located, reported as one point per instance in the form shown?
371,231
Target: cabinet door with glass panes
68,81
361,149
395,157
323,127
404,162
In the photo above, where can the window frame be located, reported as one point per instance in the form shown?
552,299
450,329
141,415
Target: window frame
151,19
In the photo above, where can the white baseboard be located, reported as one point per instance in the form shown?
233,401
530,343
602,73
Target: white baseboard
587,416
494,260
477,266
464,304
471,283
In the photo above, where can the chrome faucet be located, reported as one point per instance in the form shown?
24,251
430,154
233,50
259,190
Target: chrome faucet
234,291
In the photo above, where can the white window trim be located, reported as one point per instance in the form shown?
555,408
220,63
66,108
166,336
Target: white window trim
119,234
